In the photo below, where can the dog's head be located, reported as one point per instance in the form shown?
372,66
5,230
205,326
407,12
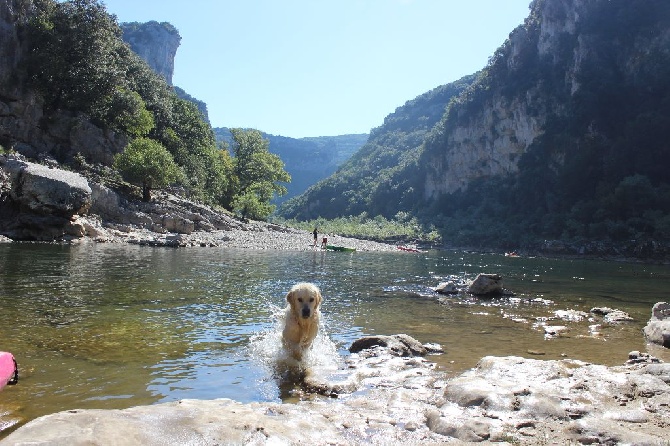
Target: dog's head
305,299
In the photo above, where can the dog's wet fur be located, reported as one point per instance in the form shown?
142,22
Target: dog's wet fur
302,318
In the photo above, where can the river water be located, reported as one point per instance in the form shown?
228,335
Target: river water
114,326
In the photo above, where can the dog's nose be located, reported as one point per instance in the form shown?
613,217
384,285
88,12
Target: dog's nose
305,312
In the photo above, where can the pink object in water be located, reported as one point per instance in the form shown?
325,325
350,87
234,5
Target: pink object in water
9,373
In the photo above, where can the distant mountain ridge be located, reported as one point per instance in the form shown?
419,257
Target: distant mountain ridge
308,160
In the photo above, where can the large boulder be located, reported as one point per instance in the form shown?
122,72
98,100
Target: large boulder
657,329
47,191
105,202
41,203
178,224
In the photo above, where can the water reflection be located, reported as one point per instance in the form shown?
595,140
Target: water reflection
109,326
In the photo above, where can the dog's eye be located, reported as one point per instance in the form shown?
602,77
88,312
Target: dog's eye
311,299
300,299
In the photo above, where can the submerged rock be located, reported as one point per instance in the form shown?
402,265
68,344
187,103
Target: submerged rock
612,315
636,357
446,288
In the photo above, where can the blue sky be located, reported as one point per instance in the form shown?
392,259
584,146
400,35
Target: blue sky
323,67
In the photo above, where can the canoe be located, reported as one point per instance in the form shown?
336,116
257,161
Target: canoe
9,372
340,248
408,249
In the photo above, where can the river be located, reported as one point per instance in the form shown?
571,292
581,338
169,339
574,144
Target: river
113,326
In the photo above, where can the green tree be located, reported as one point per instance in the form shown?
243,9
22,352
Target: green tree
256,175
148,164
127,111
191,142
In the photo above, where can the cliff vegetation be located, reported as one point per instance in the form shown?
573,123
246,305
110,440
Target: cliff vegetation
563,135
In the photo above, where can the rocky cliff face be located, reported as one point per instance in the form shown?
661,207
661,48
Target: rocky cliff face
490,141
534,78
156,43
485,145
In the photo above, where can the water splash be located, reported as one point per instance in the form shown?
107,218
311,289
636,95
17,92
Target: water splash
267,350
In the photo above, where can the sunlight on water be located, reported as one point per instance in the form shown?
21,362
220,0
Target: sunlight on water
114,326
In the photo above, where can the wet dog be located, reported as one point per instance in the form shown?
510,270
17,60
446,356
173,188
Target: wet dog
302,318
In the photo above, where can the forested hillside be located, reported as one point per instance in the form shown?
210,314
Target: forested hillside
75,94
376,179
564,135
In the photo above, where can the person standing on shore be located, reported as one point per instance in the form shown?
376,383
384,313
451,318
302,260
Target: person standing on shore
316,235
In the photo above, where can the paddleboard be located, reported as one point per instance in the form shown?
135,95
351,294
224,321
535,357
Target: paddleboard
9,373
340,248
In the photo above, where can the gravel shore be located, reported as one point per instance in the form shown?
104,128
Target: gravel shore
292,240
253,235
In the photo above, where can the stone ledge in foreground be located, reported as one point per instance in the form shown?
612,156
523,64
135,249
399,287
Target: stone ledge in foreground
398,399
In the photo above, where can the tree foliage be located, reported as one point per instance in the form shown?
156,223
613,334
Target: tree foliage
256,175
74,59
148,164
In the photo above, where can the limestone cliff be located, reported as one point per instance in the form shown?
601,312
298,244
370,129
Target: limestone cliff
536,78
156,43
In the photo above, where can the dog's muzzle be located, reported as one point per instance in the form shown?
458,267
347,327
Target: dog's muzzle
306,312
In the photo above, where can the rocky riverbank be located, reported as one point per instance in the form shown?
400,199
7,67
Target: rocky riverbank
45,203
388,393
249,235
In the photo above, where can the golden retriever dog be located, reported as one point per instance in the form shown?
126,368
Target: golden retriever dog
302,318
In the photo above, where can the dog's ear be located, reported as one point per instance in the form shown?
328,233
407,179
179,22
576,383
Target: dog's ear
289,296
319,299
